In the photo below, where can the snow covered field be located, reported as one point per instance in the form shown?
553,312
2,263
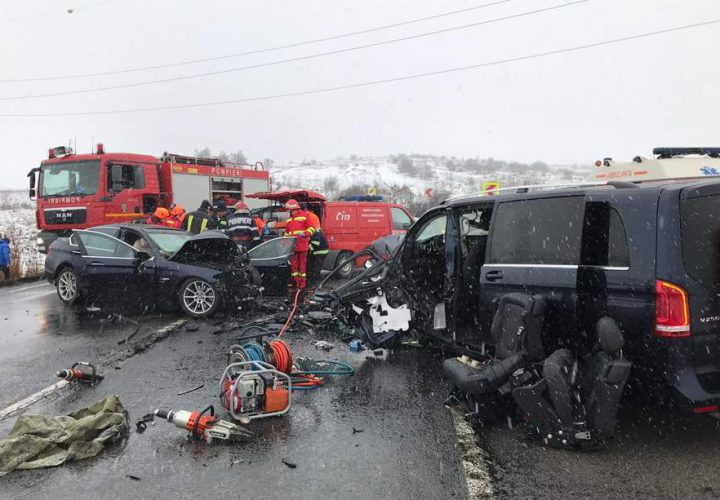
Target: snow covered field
17,222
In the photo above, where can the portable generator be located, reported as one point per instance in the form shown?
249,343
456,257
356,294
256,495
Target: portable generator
255,389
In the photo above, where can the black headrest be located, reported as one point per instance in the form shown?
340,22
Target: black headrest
609,335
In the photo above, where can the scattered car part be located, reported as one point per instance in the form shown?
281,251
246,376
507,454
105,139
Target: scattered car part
191,390
324,345
204,425
141,425
81,371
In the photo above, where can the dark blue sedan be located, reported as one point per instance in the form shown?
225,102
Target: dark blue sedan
151,266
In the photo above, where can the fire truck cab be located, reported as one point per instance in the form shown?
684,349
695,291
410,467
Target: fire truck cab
77,191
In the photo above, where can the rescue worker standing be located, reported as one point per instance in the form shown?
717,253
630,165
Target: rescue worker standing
242,228
5,257
220,216
319,248
299,226
200,220
159,217
177,214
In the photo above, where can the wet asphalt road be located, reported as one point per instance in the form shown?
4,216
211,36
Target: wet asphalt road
407,447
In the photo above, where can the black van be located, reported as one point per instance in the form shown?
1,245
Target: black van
646,254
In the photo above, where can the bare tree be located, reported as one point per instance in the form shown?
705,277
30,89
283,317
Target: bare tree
330,186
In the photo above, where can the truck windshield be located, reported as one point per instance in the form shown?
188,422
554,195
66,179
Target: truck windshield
70,178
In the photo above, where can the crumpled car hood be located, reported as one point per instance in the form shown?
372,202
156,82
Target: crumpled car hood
211,248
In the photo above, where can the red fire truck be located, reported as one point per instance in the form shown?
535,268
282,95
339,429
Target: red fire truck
77,191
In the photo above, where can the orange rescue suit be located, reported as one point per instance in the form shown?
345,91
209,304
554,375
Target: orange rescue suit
300,226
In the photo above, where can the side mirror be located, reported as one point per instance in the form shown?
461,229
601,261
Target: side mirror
32,193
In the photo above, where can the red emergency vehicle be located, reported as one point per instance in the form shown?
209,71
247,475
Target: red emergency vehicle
348,225
77,191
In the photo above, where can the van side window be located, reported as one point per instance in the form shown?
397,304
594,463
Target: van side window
701,238
542,231
400,219
121,177
432,228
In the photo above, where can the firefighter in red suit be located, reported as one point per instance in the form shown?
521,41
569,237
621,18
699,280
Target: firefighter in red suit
299,225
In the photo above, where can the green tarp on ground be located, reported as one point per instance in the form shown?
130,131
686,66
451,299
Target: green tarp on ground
36,441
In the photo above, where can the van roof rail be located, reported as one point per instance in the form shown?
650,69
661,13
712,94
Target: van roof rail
670,152
527,188
623,185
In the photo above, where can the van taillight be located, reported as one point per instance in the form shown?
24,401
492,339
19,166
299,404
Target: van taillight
672,312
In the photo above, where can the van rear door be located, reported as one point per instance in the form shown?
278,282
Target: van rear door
700,233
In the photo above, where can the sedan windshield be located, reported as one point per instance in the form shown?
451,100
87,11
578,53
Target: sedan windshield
169,242
70,178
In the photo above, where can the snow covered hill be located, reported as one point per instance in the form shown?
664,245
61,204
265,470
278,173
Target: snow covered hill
417,174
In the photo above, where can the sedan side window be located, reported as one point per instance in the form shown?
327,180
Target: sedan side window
277,247
101,245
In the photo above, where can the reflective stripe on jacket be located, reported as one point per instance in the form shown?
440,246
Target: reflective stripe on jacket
197,222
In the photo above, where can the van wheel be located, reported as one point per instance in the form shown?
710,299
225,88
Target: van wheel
345,271
67,286
198,298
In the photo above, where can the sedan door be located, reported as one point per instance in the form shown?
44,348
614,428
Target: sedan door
110,268
272,260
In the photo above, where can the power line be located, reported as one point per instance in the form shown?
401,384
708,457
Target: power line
259,51
378,82
292,59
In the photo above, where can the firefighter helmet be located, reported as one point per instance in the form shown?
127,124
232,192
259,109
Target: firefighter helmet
292,205
161,213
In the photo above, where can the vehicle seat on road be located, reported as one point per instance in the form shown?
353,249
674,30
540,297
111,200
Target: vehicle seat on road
606,378
516,329
567,410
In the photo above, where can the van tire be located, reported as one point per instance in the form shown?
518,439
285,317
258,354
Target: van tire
345,271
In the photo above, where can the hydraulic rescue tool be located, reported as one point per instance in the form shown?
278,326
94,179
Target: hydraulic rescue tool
255,389
204,425
81,372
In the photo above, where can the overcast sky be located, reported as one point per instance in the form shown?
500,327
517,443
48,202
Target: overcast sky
617,100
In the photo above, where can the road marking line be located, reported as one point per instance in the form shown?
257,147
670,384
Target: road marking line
30,400
477,475
18,290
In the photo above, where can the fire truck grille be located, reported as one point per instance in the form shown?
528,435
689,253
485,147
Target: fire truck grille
65,216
